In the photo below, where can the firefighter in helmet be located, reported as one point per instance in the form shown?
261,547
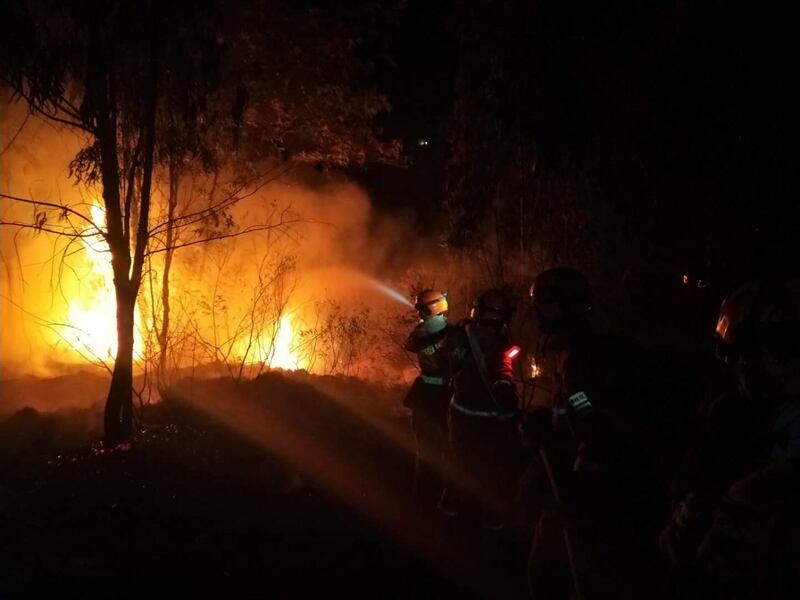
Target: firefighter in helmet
483,414
429,395
734,530
585,441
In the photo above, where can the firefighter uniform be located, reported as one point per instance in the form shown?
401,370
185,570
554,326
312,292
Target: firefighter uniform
428,399
734,531
483,416
598,442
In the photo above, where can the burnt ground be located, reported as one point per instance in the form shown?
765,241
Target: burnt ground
294,484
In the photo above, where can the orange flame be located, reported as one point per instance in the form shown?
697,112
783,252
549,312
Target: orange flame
283,354
535,369
92,315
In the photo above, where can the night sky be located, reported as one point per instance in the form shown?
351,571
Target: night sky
681,108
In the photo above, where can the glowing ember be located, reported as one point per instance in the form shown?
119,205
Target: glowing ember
283,354
535,371
92,315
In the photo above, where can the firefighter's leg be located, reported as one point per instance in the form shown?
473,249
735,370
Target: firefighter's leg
548,568
452,501
427,433
500,468
440,442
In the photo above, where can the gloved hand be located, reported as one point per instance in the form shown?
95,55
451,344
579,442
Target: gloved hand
537,424
585,462
737,535
680,537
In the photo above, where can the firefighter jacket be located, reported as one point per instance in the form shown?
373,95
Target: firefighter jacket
427,340
603,401
739,492
471,394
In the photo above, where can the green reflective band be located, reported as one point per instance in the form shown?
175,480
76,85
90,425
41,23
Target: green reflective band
433,380
579,402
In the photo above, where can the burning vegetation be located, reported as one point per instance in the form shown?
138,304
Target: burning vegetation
286,295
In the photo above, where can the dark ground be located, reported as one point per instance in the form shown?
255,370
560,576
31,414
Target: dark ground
299,485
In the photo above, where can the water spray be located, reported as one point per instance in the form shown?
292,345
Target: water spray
383,288
392,293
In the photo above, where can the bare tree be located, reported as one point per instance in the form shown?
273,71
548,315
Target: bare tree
152,84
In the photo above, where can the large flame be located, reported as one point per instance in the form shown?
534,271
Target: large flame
92,314
283,354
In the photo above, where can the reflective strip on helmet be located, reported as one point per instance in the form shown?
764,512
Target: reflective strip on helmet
580,403
433,380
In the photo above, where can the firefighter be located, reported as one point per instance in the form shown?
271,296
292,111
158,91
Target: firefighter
596,447
429,395
483,414
733,531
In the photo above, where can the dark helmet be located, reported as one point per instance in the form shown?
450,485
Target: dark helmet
758,333
760,315
492,305
562,297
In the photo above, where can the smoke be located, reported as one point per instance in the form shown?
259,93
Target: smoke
33,285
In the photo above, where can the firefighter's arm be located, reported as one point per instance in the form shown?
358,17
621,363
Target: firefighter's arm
417,339
426,333
576,386
580,403
700,484
503,387
688,524
595,424
412,343
764,487
773,482
455,346
768,490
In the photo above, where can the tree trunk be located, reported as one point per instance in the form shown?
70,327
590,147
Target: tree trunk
163,335
118,418
119,406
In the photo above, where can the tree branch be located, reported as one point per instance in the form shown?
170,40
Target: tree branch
126,217
48,230
39,108
61,207
225,202
52,326
223,236
16,135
